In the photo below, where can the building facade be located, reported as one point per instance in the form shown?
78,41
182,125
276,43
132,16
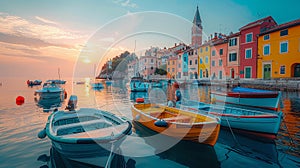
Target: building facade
248,45
204,61
233,56
218,58
279,51
193,63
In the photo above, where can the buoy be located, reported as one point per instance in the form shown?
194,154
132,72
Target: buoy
20,100
140,100
161,123
42,134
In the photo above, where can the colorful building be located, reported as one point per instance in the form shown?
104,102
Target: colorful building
233,57
147,65
193,63
204,61
279,51
248,45
172,67
218,57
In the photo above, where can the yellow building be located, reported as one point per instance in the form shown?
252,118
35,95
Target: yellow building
279,51
204,61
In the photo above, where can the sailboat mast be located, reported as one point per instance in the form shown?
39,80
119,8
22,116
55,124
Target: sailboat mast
58,73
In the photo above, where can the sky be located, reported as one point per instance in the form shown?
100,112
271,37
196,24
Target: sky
39,36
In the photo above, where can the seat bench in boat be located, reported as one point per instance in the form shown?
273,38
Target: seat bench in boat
179,118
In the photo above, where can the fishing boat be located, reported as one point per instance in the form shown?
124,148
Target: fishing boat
97,85
50,90
249,97
156,85
85,133
34,83
177,123
137,84
262,122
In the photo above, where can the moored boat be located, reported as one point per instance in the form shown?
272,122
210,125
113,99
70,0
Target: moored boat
85,133
51,90
34,83
261,121
249,97
56,81
177,123
138,85
97,85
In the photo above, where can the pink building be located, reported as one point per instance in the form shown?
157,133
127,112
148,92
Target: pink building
233,57
193,63
147,65
218,57
248,45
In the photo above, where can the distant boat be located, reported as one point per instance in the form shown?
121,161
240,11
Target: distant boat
34,83
97,85
156,85
85,133
137,84
79,82
177,123
56,81
260,121
50,90
249,97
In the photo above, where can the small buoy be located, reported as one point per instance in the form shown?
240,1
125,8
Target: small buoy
20,100
140,100
161,123
42,134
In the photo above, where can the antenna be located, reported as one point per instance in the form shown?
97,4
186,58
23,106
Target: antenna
134,46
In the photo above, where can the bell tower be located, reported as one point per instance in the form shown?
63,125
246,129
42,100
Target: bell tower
197,29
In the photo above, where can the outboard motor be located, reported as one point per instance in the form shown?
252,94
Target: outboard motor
72,104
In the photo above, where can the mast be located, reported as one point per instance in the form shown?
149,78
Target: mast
58,73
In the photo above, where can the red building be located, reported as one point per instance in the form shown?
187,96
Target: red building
248,45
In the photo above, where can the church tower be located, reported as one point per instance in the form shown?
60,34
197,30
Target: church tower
197,29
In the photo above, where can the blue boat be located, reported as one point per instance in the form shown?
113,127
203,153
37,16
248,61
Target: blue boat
137,84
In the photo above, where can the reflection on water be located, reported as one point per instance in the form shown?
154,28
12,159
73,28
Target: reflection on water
48,104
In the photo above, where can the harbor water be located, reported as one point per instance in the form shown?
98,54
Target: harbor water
20,125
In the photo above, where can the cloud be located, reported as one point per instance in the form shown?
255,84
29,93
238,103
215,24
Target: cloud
125,3
46,20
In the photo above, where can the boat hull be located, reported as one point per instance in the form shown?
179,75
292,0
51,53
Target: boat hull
202,133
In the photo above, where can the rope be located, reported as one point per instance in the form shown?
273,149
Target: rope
109,158
232,132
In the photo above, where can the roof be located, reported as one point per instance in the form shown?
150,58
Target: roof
282,26
257,22
172,58
234,34
197,19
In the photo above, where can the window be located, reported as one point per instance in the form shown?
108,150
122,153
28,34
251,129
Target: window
220,62
221,51
196,61
200,50
168,69
168,62
173,70
179,65
232,57
145,60
233,42
151,60
284,47
213,63
184,59
200,60
173,62
206,48
191,62
248,37
266,37
151,68
282,69
206,59
248,53
267,49
220,74
213,53
284,32
248,72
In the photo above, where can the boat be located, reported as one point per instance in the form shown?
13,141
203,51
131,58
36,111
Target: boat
51,90
177,123
249,97
262,122
156,85
85,133
97,85
34,83
56,81
137,84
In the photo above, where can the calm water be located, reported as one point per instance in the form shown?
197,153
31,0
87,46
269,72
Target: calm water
20,147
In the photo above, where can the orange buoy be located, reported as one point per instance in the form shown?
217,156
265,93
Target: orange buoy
139,100
176,85
20,100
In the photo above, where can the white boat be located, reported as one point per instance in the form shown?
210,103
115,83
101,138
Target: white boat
85,133
138,85
156,85
249,97
260,121
57,81
51,90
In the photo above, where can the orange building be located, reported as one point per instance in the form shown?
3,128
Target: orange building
172,67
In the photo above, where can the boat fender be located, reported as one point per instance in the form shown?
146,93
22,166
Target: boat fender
160,123
42,134
137,117
140,100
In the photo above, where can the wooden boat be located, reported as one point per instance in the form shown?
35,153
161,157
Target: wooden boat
249,97
261,121
138,85
85,133
177,123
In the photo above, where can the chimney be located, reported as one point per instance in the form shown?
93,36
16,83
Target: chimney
216,34
175,44
210,36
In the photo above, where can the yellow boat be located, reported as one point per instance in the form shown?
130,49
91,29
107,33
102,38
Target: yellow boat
177,123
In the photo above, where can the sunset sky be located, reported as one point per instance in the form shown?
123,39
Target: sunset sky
39,36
